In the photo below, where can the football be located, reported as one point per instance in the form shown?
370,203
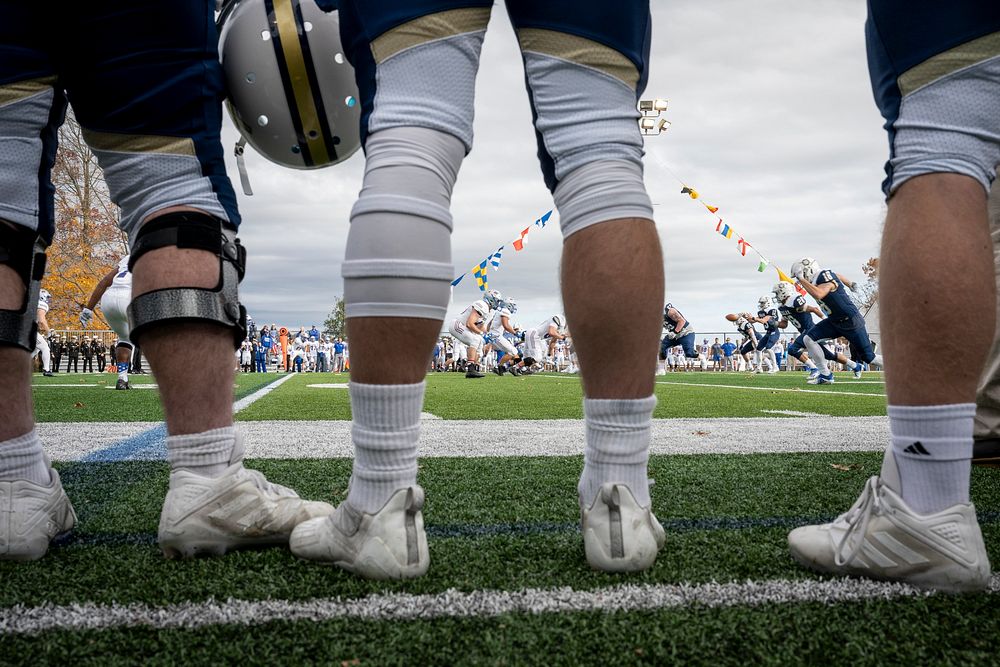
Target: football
732,317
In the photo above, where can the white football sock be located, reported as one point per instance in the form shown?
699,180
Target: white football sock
932,447
207,454
385,431
772,359
22,458
617,449
816,354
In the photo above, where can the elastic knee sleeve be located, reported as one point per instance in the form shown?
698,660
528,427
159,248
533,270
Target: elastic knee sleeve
601,191
398,260
219,305
23,251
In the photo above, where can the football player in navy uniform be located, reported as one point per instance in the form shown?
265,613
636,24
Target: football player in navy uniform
843,319
678,331
796,311
751,340
935,73
767,314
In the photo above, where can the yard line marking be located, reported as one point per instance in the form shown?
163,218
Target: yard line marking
793,413
246,401
801,391
22,619
71,441
151,442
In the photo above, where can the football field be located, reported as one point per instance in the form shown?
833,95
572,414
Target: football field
738,461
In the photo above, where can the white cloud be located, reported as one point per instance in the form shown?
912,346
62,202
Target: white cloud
773,121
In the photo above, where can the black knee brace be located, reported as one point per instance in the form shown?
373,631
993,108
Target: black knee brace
220,305
22,250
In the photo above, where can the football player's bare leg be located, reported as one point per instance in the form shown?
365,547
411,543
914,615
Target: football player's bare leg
15,364
624,258
937,266
196,382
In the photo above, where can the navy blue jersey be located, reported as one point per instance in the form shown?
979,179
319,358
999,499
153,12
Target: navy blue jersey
794,310
671,324
838,303
749,333
772,324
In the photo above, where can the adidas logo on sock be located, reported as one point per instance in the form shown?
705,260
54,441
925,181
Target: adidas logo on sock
918,449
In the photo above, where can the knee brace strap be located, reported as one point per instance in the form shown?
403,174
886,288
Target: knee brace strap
23,251
220,304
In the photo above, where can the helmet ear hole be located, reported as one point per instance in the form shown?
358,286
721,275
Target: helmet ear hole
264,112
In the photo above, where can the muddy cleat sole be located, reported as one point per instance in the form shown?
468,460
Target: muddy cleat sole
31,516
204,516
880,537
390,544
986,452
619,535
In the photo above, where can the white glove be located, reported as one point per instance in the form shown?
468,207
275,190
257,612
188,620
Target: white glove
86,315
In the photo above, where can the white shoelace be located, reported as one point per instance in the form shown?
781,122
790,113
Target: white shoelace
857,519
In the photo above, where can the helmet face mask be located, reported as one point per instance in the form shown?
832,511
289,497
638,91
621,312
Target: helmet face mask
289,120
783,291
493,298
806,268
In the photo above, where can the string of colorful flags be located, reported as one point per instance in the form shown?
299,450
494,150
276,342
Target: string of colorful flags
481,270
724,229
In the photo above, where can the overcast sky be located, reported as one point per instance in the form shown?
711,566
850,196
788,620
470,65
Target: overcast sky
773,122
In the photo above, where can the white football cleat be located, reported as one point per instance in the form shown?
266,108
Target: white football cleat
820,378
390,544
210,516
31,516
880,537
619,535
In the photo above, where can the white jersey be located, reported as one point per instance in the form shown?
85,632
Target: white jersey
543,329
464,316
123,278
496,323
44,300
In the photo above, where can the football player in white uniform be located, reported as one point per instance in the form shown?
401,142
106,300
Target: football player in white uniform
468,328
41,340
499,324
538,341
114,292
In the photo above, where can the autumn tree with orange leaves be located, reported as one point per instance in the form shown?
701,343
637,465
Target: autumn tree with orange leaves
87,242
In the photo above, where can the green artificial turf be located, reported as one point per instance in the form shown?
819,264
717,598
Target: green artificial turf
504,524
452,396
492,523
92,397
939,630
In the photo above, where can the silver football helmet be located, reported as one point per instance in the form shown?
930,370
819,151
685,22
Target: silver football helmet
806,268
783,291
291,91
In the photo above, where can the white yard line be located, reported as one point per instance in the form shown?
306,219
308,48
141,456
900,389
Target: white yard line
450,604
246,401
792,413
71,441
